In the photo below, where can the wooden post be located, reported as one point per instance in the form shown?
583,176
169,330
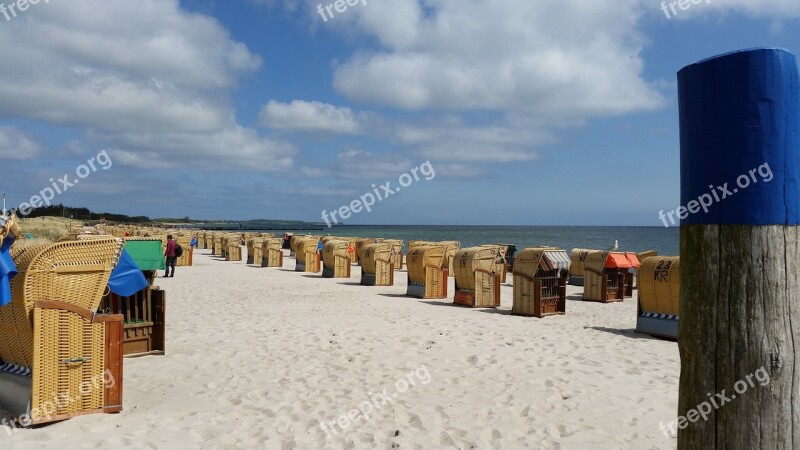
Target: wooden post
739,334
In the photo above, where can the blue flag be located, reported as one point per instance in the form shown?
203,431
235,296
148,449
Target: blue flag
126,279
7,271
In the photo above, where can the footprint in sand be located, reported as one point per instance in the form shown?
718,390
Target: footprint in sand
442,413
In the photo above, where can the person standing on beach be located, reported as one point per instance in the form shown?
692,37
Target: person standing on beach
172,260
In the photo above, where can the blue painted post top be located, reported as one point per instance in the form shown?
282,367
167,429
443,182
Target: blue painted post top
740,139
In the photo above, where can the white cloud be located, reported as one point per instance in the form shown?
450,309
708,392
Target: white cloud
75,147
565,60
360,164
210,151
147,78
306,116
16,144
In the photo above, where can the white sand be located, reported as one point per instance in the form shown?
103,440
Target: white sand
257,357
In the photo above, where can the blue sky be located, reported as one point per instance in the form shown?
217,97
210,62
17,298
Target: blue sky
547,112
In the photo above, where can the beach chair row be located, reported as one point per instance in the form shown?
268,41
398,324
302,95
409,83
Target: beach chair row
73,310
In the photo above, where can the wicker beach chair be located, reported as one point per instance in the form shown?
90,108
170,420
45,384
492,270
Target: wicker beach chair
377,264
306,254
216,248
477,277
143,312
641,256
607,277
272,250
451,248
59,357
336,259
427,272
659,296
360,244
540,282
504,260
397,259
233,247
186,259
255,250
576,272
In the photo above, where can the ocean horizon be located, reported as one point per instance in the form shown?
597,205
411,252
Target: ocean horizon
631,238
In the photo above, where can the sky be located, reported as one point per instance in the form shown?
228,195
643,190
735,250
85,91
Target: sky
512,112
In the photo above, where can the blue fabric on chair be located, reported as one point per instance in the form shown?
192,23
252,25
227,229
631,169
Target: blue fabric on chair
126,279
7,271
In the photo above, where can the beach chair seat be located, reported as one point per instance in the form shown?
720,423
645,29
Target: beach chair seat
187,258
255,250
233,247
540,282
377,264
576,271
335,259
659,296
477,277
607,277
272,249
306,255
451,248
144,324
427,272
58,356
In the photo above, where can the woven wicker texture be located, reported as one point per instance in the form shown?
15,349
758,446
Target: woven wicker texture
217,244
660,285
304,247
255,250
468,260
646,254
451,247
74,272
332,250
594,262
186,259
524,295
297,240
423,257
537,291
63,335
577,256
477,273
360,243
273,252
233,247
398,252
336,258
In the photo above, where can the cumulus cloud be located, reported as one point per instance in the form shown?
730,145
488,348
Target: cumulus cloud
16,144
356,163
148,78
306,116
578,58
204,150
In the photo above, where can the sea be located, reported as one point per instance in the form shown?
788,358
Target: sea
632,239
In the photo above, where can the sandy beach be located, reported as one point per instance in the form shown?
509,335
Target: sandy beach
258,358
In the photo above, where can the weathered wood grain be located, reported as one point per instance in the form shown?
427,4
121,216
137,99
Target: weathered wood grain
739,313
